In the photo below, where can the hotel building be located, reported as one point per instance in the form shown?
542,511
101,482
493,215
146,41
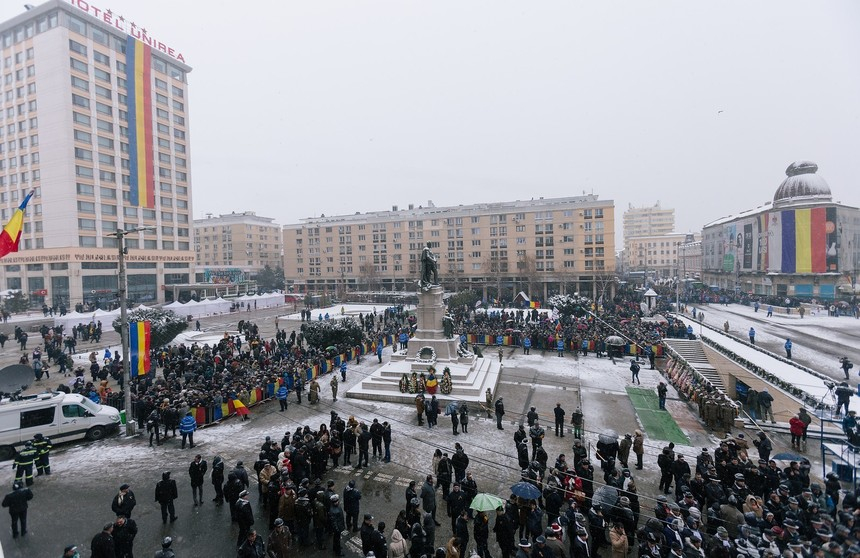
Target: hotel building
542,247
94,120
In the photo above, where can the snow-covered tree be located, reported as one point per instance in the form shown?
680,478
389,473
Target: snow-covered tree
333,332
569,305
165,325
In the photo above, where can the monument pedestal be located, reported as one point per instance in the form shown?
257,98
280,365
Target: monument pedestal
470,375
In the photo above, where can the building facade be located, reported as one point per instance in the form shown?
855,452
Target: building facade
236,245
801,245
655,256
94,121
638,222
542,247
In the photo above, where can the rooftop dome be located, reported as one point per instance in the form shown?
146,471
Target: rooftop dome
802,182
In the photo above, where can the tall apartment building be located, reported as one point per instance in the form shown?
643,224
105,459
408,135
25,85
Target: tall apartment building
234,246
649,221
542,247
94,119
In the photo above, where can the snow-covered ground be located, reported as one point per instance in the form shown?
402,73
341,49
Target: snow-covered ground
818,340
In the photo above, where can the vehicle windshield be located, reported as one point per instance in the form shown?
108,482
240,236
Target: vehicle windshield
90,406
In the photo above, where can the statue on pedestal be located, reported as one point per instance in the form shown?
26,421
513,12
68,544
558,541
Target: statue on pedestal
429,268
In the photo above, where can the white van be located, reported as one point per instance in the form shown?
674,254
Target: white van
59,416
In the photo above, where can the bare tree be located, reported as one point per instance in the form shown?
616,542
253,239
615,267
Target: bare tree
527,269
369,275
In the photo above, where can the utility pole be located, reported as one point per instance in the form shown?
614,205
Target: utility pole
120,235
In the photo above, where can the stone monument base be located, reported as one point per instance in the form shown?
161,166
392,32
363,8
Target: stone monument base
470,375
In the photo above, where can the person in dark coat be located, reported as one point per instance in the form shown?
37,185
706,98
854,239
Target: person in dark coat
363,446
124,502
197,471
461,531
102,545
165,494
428,498
16,501
124,531
245,517
367,534
500,412
351,505
218,479
559,420
379,543
504,530
456,504
253,546
336,524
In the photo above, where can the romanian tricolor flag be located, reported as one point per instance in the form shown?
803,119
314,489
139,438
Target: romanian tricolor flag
138,68
12,231
240,407
534,304
138,342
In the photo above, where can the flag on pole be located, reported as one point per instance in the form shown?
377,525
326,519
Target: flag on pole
138,341
240,407
12,231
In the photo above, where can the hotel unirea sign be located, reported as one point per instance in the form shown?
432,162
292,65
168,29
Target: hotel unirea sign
130,28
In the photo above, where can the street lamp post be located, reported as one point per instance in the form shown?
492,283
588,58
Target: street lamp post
120,235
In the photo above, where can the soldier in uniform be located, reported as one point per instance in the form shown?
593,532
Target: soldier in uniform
24,464
43,447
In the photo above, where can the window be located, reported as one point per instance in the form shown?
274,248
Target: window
87,224
101,58
86,190
75,46
99,36
82,136
87,241
83,172
86,207
37,417
81,84
106,143
129,211
178,92
103,92
83,154
102,108
108,209
104,126
160,99
178,106
106,159
161,113
78,65
80,101
102,75
75,411
160,84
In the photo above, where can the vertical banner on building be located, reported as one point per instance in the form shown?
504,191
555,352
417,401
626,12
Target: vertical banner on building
138,69
761,253
831,240
138,343
774,241
789,242
748,245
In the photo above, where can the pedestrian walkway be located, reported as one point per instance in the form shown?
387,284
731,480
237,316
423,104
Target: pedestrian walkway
658,424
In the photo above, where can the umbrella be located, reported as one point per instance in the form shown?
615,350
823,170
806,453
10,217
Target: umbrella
525,490
785,456
331,348
606,496
614,340
607,437
487,502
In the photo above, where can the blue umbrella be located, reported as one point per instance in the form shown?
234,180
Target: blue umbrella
525,490
787,456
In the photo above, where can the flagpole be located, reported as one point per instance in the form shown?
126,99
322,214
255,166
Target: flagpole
120,235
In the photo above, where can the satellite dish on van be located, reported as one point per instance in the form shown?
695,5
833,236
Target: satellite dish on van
15,378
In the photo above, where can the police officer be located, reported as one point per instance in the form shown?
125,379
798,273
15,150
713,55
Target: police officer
24,463
43,449
16,501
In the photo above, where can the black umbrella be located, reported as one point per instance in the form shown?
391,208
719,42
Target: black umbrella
525,490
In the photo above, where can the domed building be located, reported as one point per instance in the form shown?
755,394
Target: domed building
801,245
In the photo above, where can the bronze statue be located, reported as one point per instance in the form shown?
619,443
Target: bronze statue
429,268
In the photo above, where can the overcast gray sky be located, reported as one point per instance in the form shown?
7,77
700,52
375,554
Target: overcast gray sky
303,108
